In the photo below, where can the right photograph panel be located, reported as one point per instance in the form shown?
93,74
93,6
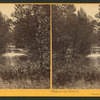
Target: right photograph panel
76,46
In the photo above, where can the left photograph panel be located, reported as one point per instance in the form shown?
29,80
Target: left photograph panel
24,46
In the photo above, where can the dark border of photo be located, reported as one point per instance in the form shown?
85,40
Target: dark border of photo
49,1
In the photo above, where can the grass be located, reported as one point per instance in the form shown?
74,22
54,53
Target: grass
18,74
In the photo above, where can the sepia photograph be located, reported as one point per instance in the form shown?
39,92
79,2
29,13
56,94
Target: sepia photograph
76,46
24,46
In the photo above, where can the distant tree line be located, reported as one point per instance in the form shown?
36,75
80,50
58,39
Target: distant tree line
4,32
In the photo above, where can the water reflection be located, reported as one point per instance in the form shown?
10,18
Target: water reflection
12,56
92,60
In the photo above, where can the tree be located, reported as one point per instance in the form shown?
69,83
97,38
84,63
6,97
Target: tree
32,30
4,30
82,41
63,19
72,33
98,25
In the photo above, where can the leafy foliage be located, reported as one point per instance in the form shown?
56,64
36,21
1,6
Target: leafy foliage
23,74
32,30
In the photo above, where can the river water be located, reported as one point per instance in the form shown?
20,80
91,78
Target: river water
93,60
11,53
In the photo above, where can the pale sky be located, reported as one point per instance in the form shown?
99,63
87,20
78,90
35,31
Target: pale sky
90,9
7,9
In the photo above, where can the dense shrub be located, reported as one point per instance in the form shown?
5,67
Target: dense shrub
23,71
